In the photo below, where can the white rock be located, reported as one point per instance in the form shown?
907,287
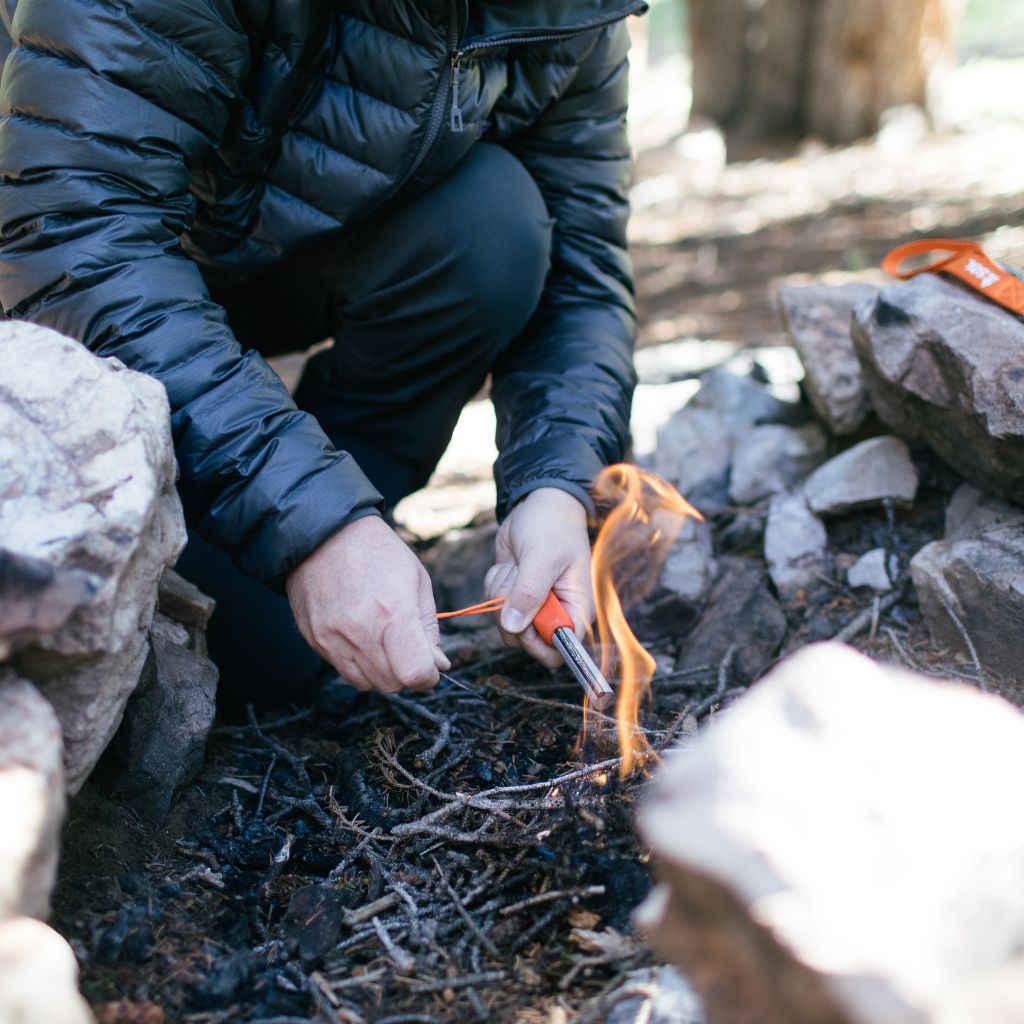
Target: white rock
87,472
867,474
870,570
824,858
774,458
31,798
38,976
795,546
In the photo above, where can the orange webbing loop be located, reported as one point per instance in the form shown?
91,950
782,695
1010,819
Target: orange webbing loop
475,609
968,262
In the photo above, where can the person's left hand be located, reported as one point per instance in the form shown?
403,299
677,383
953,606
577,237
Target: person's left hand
542,546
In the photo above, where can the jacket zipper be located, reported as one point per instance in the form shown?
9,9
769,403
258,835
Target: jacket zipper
450,78
541,34
437,109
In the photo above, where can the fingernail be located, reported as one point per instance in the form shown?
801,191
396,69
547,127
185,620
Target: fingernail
513,620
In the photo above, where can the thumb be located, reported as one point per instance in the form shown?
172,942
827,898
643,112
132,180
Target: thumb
428,617
530,589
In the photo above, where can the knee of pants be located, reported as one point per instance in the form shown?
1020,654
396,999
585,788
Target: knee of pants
501,231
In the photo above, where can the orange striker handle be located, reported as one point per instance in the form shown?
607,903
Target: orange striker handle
552,616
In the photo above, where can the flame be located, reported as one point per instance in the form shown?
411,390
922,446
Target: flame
644,520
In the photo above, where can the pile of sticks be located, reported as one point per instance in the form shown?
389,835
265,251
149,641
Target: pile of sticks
453,856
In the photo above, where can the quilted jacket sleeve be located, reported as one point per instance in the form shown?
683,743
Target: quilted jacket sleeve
563,392
103,108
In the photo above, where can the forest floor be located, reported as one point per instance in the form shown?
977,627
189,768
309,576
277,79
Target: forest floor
448,859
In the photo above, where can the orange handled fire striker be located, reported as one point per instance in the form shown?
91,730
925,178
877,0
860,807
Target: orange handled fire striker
556,627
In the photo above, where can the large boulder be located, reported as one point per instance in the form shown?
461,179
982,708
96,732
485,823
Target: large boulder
817,319
31,798
825,860
36,599
945,366
87,475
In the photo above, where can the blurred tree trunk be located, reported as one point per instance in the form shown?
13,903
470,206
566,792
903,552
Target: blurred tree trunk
772,69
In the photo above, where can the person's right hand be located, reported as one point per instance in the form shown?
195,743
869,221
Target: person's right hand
363,602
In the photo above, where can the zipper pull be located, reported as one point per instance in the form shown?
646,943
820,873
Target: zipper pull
456,119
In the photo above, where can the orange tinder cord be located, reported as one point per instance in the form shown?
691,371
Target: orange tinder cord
475,609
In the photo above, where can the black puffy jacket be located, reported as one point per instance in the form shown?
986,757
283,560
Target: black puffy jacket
143,139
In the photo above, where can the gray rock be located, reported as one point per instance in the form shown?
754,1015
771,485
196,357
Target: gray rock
87,471
159,747
685,581
970,511
695,447
817,318
795,546
31,799
980,578
867,474
694,453
184,603
871,570
38,976
36,599
815,871
773,458
740,612
946,366
743,401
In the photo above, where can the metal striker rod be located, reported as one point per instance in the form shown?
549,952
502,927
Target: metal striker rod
596,687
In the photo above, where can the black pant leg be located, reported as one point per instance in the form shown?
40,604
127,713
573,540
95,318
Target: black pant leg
421,301
428,296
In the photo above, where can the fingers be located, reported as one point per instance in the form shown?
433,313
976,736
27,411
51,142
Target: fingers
410,658
534,645
428,620
531,582
363,601
501,581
